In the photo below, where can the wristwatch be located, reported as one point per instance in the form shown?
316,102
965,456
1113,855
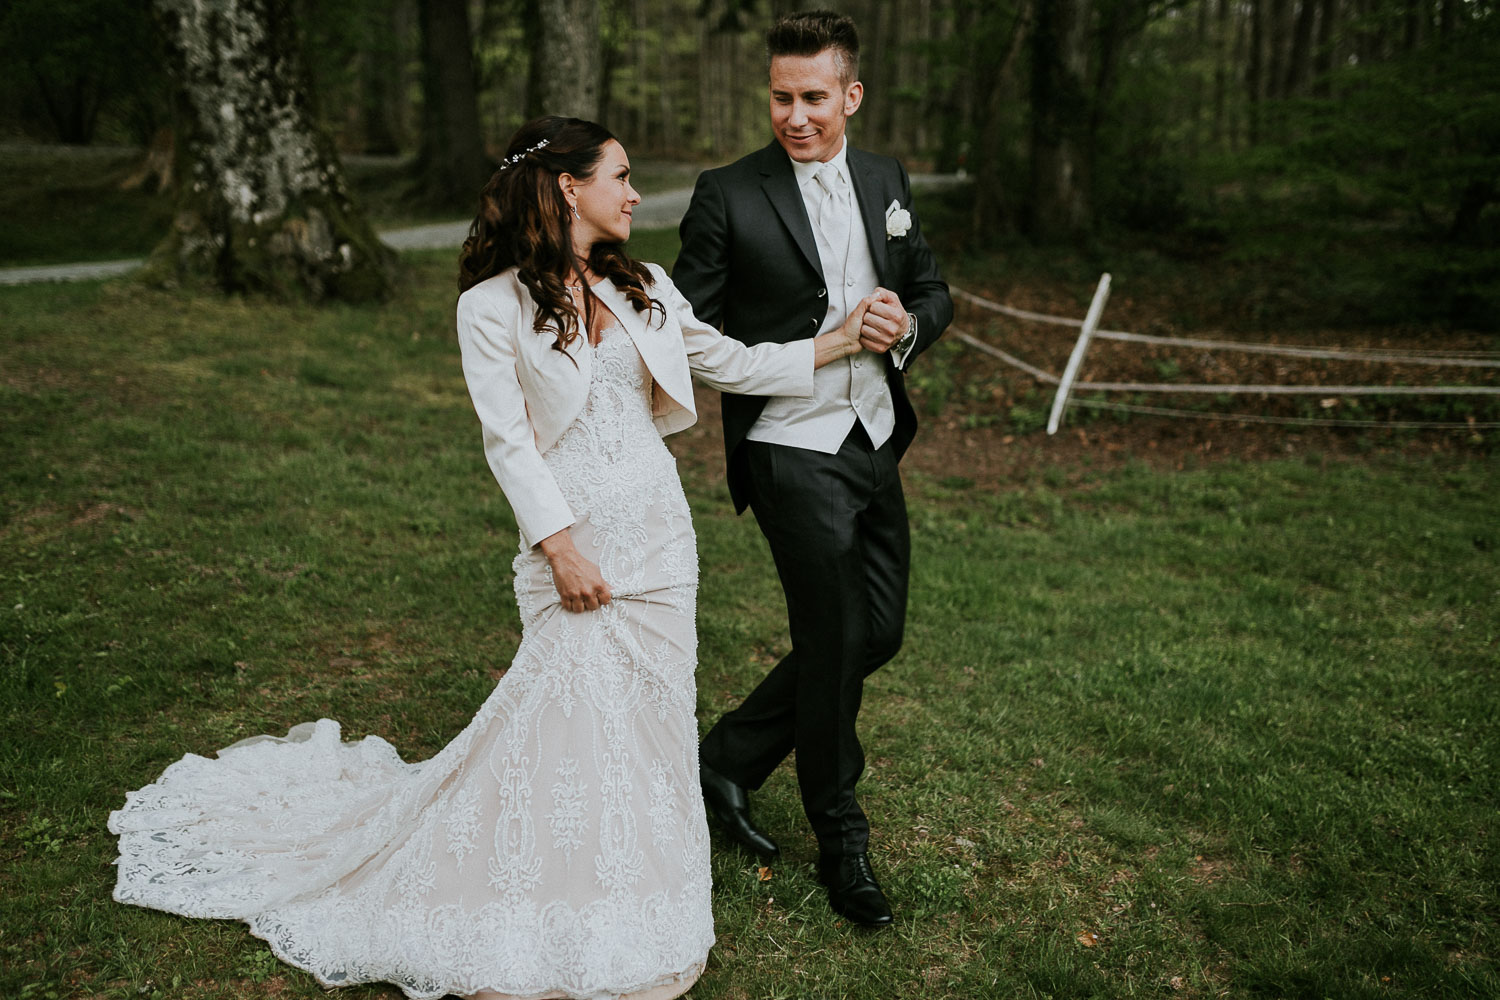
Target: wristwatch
909,337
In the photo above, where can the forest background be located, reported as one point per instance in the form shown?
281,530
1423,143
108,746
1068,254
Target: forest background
1354,142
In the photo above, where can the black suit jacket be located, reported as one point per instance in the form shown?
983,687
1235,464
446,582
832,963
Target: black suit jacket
749,265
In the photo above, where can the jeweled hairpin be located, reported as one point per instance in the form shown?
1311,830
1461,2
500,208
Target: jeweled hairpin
511,161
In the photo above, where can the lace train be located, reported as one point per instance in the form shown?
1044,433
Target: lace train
556,847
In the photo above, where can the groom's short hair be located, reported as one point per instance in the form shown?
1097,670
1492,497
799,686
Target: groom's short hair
809,32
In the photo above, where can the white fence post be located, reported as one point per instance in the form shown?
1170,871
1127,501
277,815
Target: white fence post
1075,360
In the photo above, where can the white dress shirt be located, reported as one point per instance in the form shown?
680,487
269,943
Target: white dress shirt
852,388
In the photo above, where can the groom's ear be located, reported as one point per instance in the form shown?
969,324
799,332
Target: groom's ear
854,94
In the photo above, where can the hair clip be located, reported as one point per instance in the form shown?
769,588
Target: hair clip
511,161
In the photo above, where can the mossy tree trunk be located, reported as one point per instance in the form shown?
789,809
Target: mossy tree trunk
262,205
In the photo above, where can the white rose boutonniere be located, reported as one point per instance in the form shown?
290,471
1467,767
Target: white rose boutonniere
897,221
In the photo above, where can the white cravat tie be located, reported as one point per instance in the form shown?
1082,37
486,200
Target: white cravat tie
833,214
867,390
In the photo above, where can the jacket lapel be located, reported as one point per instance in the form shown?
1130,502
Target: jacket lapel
618,304
867,195
661,352
780,186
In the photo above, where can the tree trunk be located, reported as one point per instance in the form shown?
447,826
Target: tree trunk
1476,197
953,107
262,204
992,205
1278,40
1325,57
669,71
1416,26
1197,100
640,58
1445,19
1118,22
1059,203
609,58
569,55
451,165
1223,55
1298,66
1255,82
380,85
880,76
531,27
916,72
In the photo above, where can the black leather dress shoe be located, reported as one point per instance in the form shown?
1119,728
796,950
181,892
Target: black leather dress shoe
853,892
729,803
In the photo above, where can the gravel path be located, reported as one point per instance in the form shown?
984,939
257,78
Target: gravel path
657,211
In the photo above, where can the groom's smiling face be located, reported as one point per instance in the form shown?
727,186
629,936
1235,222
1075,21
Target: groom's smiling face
810,104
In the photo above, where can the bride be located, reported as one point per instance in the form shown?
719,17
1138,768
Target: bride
557,847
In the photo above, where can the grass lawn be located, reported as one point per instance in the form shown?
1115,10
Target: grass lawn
1221,732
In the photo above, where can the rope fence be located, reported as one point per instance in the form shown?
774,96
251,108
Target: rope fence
1469,359
1261,418
1089,331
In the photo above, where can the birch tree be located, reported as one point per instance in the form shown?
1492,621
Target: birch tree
262,204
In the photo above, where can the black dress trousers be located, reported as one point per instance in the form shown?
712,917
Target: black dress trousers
837,530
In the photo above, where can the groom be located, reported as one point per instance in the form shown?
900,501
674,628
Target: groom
784,244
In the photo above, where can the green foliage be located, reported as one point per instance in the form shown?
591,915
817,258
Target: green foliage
1419,132
72,64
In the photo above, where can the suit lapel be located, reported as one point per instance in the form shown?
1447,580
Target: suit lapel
780,186
867,194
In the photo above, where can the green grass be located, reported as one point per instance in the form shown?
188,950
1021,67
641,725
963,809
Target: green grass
1238,722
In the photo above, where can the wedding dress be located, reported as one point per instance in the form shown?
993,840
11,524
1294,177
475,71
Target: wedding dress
557,847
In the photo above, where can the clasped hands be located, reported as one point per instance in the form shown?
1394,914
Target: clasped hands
882,321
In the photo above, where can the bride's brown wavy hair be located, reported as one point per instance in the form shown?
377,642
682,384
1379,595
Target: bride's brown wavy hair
525,222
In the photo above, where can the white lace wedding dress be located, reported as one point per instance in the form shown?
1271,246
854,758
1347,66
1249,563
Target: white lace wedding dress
556,847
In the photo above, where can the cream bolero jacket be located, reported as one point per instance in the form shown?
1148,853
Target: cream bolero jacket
527,394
